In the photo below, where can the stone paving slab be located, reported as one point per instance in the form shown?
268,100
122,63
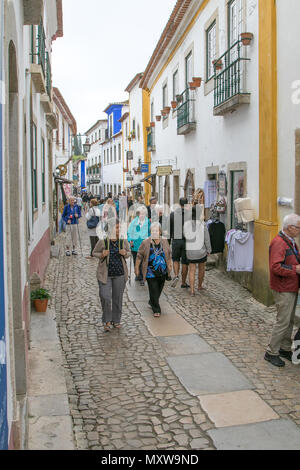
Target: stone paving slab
272,435
51,433
167,325
236,408
49,405
46,375
208,373
184,345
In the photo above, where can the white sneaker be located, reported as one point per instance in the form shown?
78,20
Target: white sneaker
175,281
68,253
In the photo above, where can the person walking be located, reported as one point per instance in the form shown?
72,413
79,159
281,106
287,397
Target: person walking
153,215
155,257
177,219
93,220
198,247
284,259
71,216
112,275
138,231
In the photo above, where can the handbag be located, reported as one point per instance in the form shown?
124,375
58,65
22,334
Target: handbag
93,222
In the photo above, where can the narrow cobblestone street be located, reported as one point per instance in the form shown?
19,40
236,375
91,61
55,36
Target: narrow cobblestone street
126,389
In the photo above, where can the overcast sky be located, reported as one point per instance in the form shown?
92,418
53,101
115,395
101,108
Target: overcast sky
105,44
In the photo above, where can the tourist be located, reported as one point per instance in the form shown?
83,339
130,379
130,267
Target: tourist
71,216
155,257
93,220
284,280
112,275
179,244
138,231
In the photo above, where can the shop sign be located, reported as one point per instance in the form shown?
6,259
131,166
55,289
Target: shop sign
164,170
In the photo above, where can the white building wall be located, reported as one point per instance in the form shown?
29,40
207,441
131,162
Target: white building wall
113,171
288,97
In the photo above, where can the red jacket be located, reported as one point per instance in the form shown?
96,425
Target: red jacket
283,262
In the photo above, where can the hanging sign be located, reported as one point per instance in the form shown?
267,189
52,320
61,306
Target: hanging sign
145,168
164,170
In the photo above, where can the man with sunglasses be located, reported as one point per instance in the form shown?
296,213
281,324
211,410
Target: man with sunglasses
285,283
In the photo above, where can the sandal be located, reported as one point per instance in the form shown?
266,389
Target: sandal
107,327
157,315
117,325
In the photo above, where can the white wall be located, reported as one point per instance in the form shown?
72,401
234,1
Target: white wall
288,96
216,140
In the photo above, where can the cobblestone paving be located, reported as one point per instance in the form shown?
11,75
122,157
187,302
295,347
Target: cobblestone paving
122,393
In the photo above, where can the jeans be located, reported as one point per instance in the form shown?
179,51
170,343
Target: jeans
94,241
155,287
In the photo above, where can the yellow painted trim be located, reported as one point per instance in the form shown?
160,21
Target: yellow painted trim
188,29
268,116
147,155
266,227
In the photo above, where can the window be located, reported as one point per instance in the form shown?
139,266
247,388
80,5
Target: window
175,85
152,111
120,153
104,156
115,153
110,125
133,124
43,172
34,167
165,96
63,136
188,69
111,155
211,50
119,189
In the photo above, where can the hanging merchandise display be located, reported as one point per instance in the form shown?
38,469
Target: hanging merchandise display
210,192
240,251
222,184
244,210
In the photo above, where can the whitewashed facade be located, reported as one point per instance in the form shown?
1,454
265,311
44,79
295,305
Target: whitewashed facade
94,165
27,31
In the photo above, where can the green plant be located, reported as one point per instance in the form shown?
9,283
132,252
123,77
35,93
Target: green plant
40,294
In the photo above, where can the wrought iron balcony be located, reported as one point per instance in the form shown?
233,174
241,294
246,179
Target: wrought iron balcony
186,121
230,90
38,47
151,139
48,75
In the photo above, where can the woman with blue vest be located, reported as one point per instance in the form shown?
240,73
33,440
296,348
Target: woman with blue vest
139,230
71,216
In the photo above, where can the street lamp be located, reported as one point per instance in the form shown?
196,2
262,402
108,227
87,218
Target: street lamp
86,146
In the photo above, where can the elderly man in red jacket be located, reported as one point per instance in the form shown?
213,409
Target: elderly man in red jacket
285,283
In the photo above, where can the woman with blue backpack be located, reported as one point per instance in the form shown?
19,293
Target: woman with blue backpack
139,230
93,219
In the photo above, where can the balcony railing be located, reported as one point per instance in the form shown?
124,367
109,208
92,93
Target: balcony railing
151,140
186,121
38,47
230,78
48,75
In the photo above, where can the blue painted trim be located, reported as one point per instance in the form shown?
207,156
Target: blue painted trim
82,173
116,110
3,367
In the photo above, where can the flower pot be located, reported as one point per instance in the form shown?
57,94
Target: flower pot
197,81
246,38
158,118
125,170
174,104
41,305
167,110
218,64
152,124
192,86
163,112
129,138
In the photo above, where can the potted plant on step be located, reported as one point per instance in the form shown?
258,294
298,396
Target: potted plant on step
174,104
197,81
40,299
218,64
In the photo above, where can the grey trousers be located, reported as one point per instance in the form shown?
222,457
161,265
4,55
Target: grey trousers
111,297
286,303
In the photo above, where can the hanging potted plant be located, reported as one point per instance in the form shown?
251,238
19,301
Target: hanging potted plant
167,110
192,86
152,124
218,64
129,138
125,170
158,118
163,112
179,98
174,104
40,299
246,38
197,81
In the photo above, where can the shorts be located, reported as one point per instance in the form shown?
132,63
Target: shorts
198,261
179,252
